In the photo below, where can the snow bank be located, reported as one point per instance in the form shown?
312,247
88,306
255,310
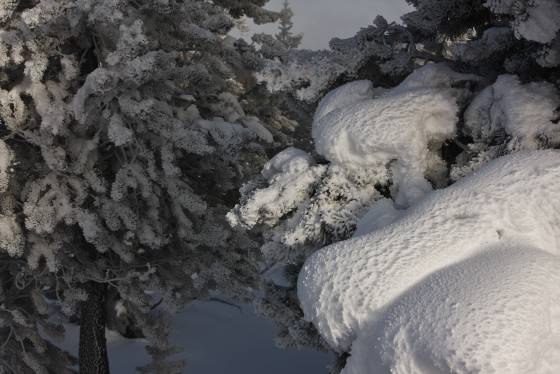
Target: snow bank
291,160
347,287
493,40
6,159
497,312
526,112
375,132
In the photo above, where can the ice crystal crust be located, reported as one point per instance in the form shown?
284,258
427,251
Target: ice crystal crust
347,286
497,312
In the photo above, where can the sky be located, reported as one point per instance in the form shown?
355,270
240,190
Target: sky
321,20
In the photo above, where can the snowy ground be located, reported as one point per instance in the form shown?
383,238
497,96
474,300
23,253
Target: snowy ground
217,338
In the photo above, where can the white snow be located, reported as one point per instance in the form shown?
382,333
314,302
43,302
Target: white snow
536,20
308,73
349,287
524,111
6,159
497,312
401,128
290,160
380,213
291,175
344,95
541,21
375,132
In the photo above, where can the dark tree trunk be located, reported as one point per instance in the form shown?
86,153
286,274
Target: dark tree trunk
93,345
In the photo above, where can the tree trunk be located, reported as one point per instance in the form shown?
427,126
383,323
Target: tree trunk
93,345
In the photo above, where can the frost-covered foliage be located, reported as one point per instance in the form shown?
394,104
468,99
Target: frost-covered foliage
444,284
493,40
449,17
309,74
129,141
377,143
472,88
506,117
299,205
466,30
476,30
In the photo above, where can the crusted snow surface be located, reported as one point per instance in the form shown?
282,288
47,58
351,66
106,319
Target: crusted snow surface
402,128
497,312
344,95
348,287
375,132
526,112
380,213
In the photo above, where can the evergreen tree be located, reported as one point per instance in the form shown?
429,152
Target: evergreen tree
285,35
124,141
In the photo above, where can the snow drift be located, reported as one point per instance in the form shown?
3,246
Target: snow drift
391,292
403,128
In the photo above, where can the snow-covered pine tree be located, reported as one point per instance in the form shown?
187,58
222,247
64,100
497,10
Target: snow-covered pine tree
384,52
496,65
124,140
285,34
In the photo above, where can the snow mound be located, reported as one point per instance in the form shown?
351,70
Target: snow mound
536,20
375,132
497,312
346,286
344,95
403,128
391,131
526,112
